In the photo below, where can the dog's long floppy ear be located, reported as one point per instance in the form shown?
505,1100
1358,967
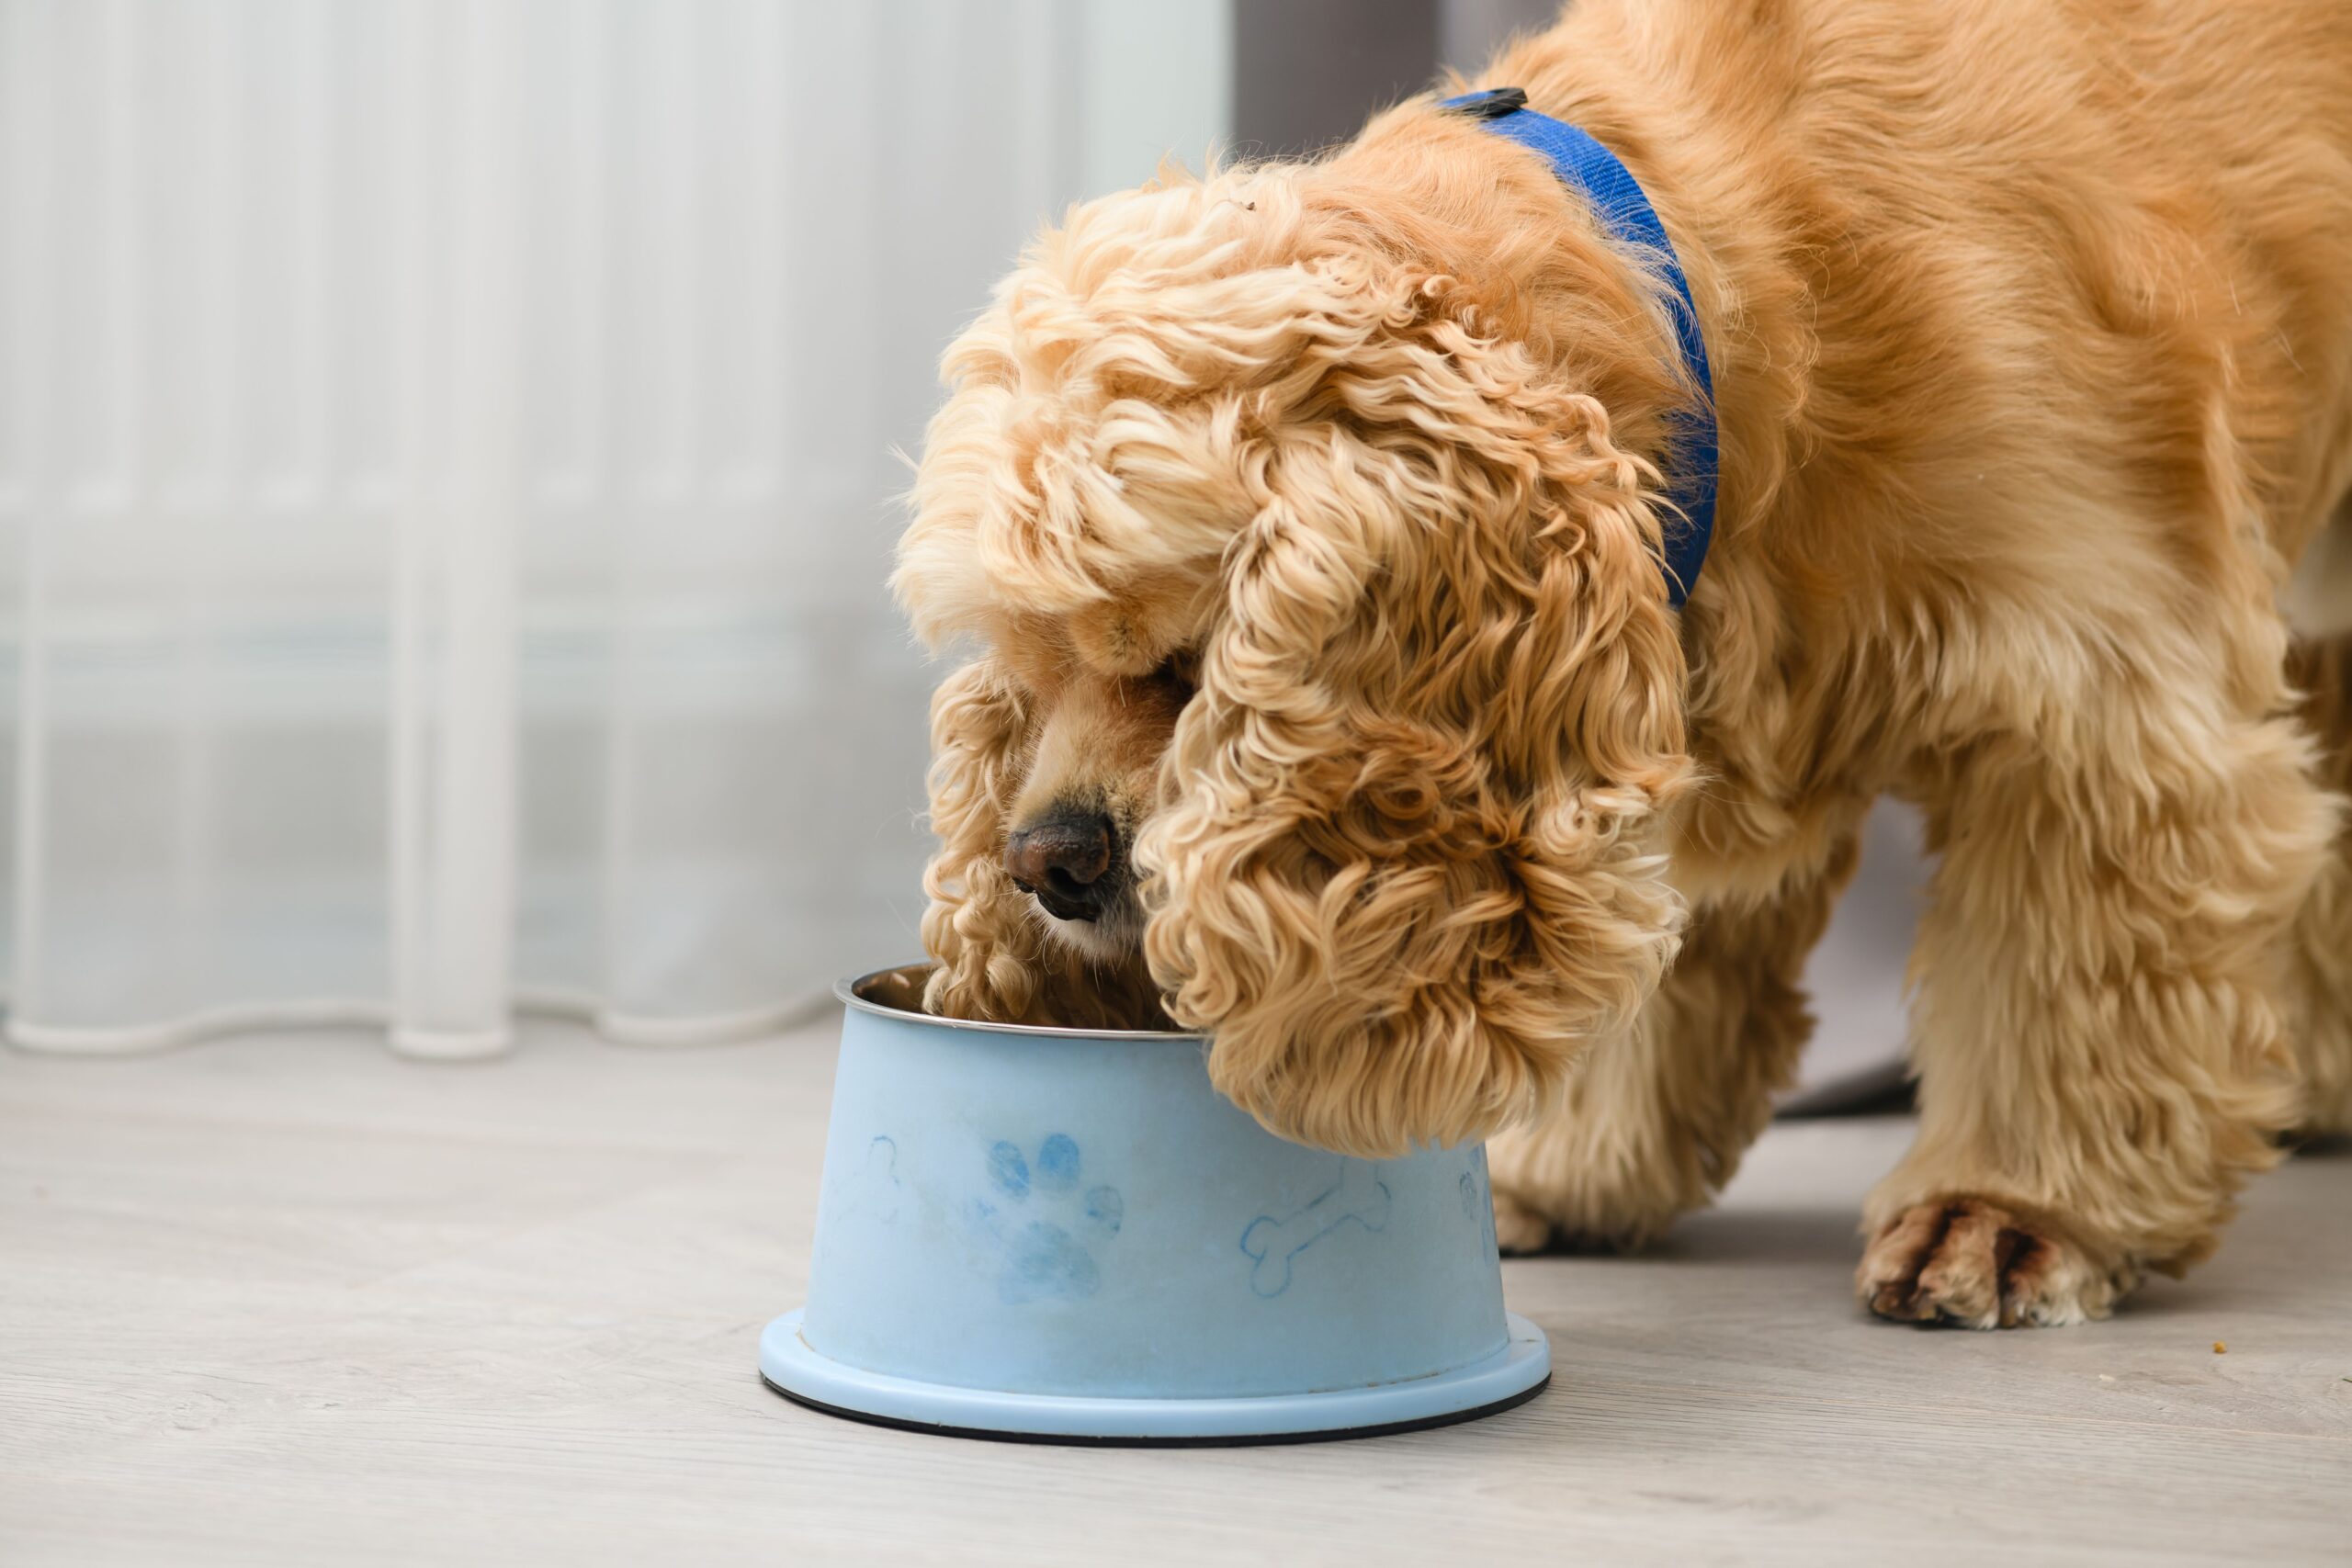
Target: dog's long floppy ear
994,962
987,951
1410,858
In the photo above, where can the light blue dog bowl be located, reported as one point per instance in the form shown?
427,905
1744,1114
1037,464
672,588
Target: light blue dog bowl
1058,1235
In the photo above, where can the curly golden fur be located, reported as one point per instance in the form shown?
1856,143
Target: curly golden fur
1307,519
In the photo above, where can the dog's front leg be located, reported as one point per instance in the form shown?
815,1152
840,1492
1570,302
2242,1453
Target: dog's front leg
1655,1123
2097,1029
2318,986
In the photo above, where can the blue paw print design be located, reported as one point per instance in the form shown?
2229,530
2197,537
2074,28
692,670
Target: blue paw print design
1273,1244
1040,1226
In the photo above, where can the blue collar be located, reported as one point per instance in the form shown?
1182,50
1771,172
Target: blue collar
1587,165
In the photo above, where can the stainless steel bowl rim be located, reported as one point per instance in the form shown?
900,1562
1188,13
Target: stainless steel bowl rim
845,990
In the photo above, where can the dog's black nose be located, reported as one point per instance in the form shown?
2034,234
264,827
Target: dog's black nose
1064,860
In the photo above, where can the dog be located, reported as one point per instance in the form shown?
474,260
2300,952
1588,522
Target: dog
1310,523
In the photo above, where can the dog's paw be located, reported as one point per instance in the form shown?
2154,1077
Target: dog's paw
1520,1231
1972,1264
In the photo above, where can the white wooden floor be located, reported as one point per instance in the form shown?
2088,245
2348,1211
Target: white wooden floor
291,1301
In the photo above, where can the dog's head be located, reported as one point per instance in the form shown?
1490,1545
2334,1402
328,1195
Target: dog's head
1328,693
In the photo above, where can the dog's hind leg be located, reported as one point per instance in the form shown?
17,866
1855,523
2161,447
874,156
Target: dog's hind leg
1656,1122
2098,1029
2319,975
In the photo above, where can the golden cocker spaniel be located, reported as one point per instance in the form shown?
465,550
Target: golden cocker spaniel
1330,697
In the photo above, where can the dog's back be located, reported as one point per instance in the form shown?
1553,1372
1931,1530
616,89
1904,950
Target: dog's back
2005,218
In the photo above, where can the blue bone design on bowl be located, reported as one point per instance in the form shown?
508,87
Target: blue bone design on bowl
880,1182
1272,1244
